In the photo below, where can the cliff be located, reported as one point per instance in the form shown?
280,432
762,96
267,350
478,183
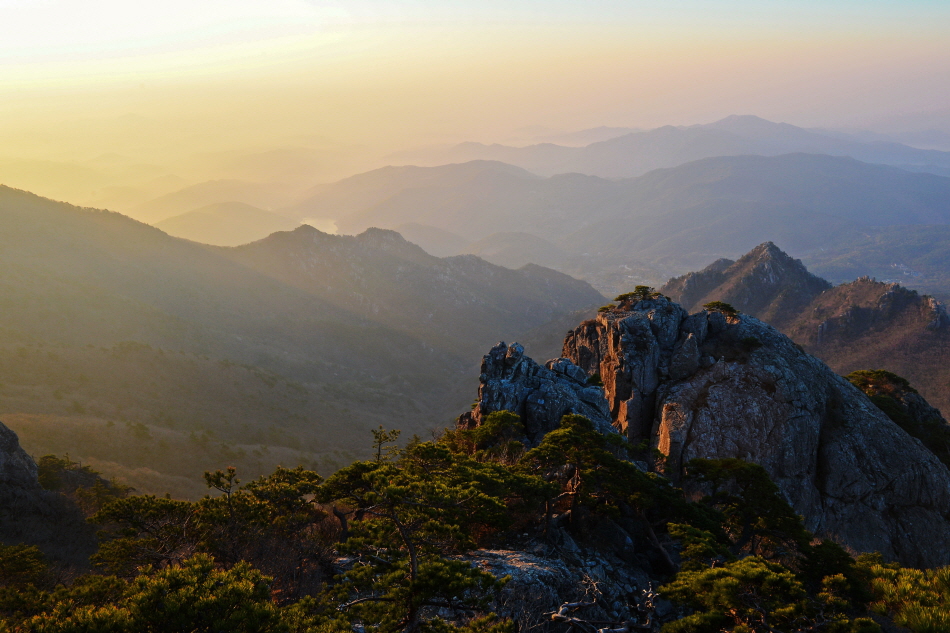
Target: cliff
714,385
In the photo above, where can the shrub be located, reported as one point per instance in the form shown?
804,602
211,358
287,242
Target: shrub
640,293
721,306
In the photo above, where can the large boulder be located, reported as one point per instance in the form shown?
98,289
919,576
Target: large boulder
541,395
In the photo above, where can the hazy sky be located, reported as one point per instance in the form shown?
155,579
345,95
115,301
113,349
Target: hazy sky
157,79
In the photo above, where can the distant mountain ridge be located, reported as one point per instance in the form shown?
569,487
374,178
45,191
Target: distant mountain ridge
388,279
637,153
226,224
670,220
863,324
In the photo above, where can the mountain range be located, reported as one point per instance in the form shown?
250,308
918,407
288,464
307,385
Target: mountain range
226,224
617,233
262,346
638,152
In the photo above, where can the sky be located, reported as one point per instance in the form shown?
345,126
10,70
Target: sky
176,82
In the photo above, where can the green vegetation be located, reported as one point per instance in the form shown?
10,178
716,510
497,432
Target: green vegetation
595,380
721,306
891,394
918,600
80,483
380,545
640,293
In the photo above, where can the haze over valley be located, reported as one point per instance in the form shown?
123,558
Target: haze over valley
497,317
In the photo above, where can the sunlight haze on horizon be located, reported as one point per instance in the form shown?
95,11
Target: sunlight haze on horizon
184,85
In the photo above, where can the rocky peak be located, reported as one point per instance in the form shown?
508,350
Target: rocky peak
718,266
766,282
717,385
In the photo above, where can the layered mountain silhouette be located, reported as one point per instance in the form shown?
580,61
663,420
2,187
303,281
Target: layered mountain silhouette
863,324
639,152
302,340
197,196
226,224
673,219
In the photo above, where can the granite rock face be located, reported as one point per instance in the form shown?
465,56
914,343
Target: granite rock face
541,581
541,395
713,385
733,386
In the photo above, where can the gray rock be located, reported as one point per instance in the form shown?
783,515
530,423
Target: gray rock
510,381
685,359
539,585
852,473
713,386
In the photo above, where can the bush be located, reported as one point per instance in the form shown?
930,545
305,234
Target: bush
721,306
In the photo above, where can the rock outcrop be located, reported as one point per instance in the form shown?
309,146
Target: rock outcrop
510,381
18,471
541,580
712,385
715,385
29,514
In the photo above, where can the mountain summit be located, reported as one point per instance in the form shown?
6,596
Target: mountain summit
765,282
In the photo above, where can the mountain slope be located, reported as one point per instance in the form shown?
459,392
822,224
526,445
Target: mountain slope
226,224
916,256
724,206
106,319
765,282
514,250
355,195
382,276
434,241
